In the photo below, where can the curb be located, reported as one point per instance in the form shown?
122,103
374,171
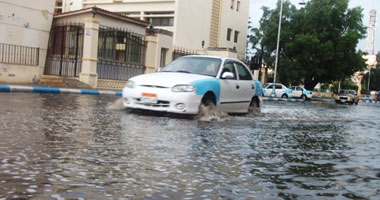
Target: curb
15,88
369,101
282,99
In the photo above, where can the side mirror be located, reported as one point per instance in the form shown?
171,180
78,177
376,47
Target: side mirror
228,75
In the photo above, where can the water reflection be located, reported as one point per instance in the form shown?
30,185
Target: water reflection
72,146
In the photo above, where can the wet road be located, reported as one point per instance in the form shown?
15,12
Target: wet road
81,147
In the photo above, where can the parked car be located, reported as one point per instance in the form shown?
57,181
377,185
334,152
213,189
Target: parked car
300,92
280,90
347,96
190,81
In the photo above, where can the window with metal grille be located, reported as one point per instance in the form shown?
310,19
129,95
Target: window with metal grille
19,55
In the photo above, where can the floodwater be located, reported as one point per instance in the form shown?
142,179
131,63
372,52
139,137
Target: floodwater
85,147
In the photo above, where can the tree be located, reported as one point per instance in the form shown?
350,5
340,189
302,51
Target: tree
318,42
375,77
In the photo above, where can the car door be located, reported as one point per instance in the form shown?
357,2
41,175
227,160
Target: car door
296,91
278,90
229,88
268,90
246,87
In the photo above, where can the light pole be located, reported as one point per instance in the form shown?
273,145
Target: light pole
277,50
369,79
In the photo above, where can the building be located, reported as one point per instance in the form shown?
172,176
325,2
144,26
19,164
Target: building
24,36
216,27
103,49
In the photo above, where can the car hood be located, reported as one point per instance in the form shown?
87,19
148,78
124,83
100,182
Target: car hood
167,79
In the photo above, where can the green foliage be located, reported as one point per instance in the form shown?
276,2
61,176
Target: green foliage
317,43
347,84
375,77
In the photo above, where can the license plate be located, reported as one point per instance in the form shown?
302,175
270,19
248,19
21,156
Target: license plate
149,98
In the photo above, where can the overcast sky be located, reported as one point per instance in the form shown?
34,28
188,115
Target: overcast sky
256,13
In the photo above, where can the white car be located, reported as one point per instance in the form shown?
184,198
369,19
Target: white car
186,83
300,92
280,90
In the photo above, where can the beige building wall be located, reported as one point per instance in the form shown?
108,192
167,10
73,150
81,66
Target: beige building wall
158,46
25,23
142,9
192,24
194,20
105,21
235,17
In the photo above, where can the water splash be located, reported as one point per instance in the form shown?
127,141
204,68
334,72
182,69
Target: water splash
117,105
210,113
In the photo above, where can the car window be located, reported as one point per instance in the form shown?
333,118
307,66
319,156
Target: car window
229,67
278,87
293,88
194,65
299,89
243,72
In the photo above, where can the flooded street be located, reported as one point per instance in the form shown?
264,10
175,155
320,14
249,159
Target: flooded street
83,147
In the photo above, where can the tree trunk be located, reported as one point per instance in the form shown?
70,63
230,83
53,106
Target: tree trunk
310,84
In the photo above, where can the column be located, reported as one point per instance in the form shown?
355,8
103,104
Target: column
88,74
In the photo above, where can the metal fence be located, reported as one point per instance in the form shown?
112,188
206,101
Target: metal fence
65,50
121,54
19,55
179,52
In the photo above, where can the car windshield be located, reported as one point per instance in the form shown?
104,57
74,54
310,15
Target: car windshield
194,65
349,92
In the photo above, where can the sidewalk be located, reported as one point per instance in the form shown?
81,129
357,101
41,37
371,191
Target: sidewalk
45,89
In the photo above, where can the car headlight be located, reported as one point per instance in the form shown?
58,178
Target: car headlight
130,84
183,88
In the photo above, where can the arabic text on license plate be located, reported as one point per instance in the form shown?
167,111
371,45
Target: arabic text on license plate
149,98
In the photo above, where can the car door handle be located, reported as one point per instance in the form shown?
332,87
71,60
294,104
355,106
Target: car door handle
253,87
237,86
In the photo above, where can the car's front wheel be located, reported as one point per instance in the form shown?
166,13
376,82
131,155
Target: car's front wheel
208,100
284,96
304,97
207,105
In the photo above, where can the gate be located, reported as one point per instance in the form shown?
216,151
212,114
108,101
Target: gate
121,54
64,56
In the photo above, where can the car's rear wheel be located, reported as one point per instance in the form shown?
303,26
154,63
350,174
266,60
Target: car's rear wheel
284,96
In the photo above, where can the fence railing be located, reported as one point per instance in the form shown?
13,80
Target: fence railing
65,50
19,55
179,52
121,54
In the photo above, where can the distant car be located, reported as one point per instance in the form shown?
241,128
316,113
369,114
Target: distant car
300,92
347,96
367,97
280,90
190,81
